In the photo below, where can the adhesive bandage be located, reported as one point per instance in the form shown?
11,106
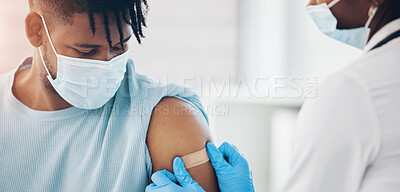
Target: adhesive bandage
195,159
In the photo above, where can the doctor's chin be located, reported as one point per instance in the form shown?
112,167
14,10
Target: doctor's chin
200,96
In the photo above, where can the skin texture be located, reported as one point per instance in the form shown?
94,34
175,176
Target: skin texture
177,129
350,13
170,134
354,13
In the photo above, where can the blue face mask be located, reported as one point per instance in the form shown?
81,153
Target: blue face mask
327,23
86,83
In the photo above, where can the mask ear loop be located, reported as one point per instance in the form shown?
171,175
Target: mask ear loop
45,67
371,13
52,46
334,2
48,35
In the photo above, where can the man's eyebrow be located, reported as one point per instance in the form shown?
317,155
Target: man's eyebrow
87,45
124,41
96,46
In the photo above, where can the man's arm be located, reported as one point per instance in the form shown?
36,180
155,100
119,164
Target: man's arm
176,129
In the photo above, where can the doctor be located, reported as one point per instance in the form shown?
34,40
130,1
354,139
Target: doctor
348,138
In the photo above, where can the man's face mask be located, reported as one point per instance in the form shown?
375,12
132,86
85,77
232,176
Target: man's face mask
327,23
86,83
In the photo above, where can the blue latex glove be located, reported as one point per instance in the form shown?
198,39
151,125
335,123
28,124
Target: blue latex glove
231,167
165,181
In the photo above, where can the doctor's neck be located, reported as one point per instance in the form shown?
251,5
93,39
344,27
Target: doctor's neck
388,11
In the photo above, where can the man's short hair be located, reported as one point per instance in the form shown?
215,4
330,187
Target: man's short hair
132,12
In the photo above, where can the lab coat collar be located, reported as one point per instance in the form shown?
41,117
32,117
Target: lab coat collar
386,30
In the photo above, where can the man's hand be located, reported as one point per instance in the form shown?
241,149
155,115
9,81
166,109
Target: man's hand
231,167
165,181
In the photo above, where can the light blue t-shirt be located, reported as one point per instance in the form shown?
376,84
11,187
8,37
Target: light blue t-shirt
81,150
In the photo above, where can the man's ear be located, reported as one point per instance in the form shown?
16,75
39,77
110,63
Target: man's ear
34,29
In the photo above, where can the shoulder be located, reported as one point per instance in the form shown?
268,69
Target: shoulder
341,91
338,127
177,127
340,87
4,80
150,92
342,109
145,91
376,67
173,108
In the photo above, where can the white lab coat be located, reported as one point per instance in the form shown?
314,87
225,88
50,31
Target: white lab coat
347,139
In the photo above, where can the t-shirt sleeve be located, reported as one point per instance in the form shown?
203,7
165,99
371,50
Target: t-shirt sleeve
336,138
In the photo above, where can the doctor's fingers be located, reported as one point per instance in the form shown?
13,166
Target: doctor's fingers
164,177
180,172
164,188
233,155
217,159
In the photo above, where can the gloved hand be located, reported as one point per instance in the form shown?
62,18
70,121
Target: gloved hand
165,181
231,167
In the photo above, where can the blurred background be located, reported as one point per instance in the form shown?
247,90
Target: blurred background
253,62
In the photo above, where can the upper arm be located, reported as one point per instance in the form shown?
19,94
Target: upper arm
176,129
336,139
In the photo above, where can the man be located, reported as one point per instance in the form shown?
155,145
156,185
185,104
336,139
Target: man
76,116
348,138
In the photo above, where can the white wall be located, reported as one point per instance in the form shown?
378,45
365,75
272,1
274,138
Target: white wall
189,37
14,44
247,127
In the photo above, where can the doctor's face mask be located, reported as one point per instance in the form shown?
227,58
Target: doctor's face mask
327,23
85,80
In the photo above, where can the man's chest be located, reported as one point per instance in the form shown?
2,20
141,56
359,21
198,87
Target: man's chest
86,152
